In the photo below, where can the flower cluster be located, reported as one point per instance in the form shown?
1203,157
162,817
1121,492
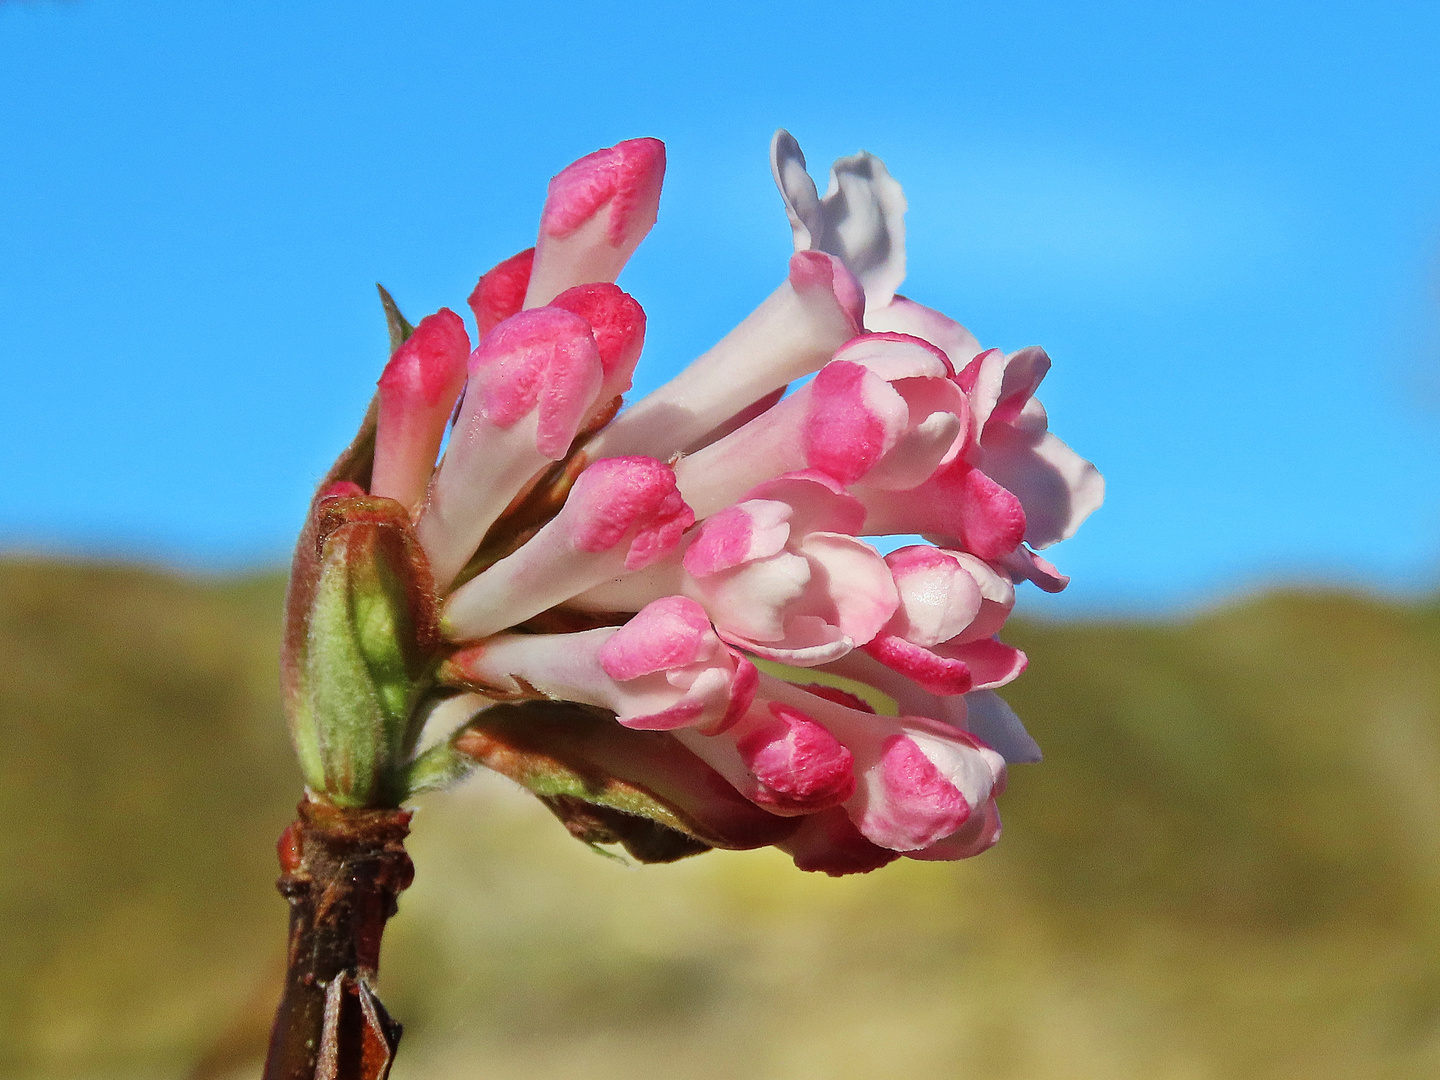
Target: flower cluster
690,573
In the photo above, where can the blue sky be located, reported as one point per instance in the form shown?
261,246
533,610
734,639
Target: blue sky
1222,220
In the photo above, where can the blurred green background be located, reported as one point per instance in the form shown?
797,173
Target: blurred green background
1228,866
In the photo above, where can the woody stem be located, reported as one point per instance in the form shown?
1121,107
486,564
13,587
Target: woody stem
343,869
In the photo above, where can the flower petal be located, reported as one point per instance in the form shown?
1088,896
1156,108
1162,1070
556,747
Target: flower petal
903,315
861,217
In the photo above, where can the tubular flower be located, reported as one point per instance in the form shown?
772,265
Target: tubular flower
781,573
581,594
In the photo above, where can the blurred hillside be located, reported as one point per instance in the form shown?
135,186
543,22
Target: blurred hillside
1228,866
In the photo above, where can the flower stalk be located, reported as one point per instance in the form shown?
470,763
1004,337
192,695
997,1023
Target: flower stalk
343,869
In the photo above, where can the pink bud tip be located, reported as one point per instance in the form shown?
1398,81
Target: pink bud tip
845,433
738,534
628,175
665,633
920,805
617,321
799,764
430,366
622,496
544,358
501,291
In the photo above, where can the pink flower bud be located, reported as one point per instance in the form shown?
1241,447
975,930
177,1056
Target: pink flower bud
532,381
797,762
596,213
884,412
780,759
543,362
417,394
951,605
828,842
622,515
912,804
618,324
501,291
663,669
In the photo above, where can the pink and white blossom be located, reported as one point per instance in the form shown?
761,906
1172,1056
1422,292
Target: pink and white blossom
647,560
623,514
884,412
860,219
1057,488
664,669
781,573
942,635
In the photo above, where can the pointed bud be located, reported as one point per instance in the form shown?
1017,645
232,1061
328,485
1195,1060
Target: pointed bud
779,758
618,323
500,292
418,390
532,382
596,213
622,515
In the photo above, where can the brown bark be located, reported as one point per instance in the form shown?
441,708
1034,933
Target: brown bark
343,870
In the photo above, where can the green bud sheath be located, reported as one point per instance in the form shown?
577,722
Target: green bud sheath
361,639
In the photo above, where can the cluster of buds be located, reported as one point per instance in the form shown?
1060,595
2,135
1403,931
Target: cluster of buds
666,619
